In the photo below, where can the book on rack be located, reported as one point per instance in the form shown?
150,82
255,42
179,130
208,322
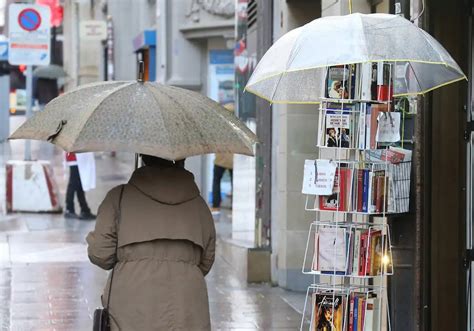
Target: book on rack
363,312
362,125
372,317
356,254
333,250
338,200
395,188
370,256
338,133
315,264
392,155
338,125
340,82
328,312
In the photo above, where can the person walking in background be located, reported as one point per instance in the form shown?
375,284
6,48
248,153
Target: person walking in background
222,163
81,178
45,90
158,234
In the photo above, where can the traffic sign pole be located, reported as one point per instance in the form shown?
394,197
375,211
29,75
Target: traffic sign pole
29,103
4,107
4,92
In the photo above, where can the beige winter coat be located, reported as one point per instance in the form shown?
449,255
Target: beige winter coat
166,246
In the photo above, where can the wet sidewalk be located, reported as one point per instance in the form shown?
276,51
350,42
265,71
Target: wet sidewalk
47,282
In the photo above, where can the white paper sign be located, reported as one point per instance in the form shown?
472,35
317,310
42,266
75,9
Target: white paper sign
318,177
93,30
388,130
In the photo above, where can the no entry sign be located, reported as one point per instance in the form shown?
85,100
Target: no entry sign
29,34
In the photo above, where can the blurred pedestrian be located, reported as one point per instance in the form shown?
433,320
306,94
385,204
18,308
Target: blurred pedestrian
81,178
222,163
158,234
45,90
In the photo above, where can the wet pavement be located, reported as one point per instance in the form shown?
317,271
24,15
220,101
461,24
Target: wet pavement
47,283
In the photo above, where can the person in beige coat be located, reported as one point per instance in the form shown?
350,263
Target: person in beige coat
166,245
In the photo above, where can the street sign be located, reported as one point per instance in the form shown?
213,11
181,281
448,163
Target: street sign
93,30
29,34
3,50
29,19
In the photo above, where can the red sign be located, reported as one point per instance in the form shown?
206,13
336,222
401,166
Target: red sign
56,11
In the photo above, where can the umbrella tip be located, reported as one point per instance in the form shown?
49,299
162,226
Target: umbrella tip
141,71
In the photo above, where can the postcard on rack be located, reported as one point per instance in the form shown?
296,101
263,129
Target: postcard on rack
318,178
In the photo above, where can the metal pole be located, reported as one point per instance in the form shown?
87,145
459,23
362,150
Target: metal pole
4,107
29,102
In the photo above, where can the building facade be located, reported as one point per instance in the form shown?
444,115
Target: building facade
430,288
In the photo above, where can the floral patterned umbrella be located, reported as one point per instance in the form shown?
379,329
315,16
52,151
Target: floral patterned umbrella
140,117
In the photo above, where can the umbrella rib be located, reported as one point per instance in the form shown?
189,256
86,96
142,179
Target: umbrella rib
365,39
161,114
115,90
427,38
238,130
416,77
182,108
293,53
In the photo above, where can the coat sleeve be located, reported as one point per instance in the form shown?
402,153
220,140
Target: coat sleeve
209,251
102,241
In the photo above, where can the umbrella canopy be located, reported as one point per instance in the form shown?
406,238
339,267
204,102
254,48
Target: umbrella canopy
52,71
294,69
146,118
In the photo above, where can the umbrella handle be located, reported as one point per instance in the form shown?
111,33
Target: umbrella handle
58,130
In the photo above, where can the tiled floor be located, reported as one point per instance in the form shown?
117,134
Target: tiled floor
47,283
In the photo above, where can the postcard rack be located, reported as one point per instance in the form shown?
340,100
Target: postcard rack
348,250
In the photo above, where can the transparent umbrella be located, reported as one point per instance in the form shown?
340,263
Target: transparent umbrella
140,117
294,69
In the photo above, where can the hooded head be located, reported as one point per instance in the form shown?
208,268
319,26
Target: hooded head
165,181
154,161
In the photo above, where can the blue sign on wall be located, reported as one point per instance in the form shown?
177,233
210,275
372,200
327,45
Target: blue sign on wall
3,50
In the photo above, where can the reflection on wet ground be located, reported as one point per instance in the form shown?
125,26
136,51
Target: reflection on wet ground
47,283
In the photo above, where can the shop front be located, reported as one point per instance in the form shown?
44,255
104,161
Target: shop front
144,45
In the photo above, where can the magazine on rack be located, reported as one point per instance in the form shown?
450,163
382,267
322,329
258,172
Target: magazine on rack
328,314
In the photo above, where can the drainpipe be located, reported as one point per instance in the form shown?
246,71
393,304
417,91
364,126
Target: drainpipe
422,201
